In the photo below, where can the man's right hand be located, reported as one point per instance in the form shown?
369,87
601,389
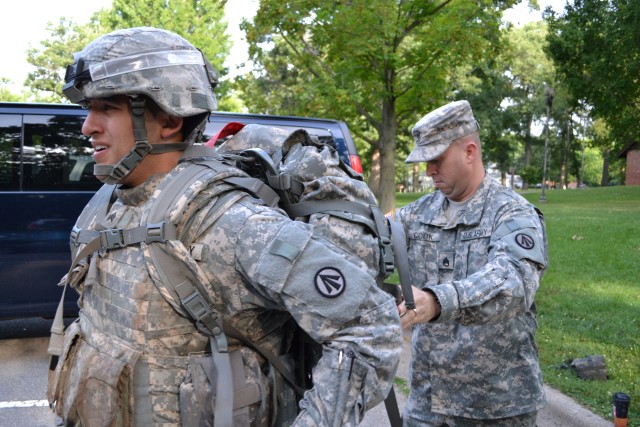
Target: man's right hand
427,308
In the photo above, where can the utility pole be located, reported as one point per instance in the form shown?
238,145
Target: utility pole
549,92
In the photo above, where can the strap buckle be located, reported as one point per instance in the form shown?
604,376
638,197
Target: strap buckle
207,319
156,232
75,233
111,238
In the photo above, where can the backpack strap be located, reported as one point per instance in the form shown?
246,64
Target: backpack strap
194,300
97,206
286,373
176,286
399,242
391,405
344,209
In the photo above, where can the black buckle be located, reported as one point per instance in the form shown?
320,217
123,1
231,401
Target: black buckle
207,320
388,259
111,239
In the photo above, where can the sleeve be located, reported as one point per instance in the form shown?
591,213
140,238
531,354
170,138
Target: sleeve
330,295
506,286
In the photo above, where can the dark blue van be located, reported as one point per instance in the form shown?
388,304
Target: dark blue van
46,178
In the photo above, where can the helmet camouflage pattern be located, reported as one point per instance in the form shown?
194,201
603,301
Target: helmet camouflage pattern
144,61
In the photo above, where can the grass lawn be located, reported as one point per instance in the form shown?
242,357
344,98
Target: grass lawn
589,298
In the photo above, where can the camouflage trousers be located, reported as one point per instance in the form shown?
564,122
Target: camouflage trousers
438,420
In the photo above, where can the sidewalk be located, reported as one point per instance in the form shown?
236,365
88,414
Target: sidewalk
561,410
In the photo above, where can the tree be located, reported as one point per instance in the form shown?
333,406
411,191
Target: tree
6,95
379,65
199,21
507,92
530,74
595,46
55,54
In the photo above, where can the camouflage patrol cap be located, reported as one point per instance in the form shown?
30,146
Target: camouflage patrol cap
144,61
437,130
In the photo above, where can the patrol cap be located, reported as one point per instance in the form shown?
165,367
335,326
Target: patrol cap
437,130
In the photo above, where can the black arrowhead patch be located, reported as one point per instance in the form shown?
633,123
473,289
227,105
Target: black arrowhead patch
330,282
525,241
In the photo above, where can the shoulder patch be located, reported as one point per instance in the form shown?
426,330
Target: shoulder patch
330,282
525,241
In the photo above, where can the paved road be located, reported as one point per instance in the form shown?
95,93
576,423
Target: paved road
23,373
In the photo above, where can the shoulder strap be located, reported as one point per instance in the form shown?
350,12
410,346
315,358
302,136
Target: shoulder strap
176,284
399,242
391,404
98,205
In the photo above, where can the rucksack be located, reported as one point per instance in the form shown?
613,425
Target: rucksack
292,170
314,185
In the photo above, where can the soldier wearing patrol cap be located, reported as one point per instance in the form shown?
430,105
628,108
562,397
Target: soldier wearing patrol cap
477,252
135,357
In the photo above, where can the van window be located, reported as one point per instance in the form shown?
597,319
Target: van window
9,152
56,155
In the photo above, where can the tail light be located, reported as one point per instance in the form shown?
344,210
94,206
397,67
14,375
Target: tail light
355,162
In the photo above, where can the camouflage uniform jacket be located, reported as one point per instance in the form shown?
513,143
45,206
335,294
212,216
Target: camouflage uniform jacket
267,269
478,359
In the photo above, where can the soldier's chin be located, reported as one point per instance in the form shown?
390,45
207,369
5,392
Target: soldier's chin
102,178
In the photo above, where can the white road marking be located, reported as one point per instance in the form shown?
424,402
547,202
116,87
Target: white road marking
23,404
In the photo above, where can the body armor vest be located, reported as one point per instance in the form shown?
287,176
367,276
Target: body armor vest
135,357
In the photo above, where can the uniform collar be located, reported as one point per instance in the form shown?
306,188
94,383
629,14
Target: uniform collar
435,211
136,196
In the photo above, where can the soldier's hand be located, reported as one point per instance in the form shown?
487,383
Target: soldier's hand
426,309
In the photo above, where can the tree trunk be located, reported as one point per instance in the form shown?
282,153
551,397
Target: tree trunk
605,168
527,150
415,186
374,173
387,144
387,200
566,154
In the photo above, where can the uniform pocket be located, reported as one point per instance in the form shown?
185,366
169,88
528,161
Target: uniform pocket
423,257
59,375
91,384
198,392
103,385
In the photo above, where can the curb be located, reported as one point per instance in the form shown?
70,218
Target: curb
563,411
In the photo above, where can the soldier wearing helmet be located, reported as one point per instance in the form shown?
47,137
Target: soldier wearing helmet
134,357
143,65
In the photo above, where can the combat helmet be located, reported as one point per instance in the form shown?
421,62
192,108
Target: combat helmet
144,62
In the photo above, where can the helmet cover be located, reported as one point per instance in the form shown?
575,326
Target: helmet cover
144,61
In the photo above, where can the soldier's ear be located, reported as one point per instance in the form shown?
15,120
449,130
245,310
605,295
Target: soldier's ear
471,151
171,126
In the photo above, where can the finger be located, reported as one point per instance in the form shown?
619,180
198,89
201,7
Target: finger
402,309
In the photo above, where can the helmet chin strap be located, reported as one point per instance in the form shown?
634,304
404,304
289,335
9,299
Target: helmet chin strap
113,174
